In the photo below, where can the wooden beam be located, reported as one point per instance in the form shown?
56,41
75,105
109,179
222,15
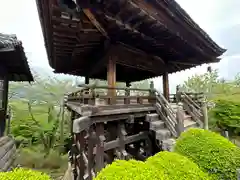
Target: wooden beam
98,57
166,86
94,21
138,59
134,66
72,30
184,63
63,35
135,32
100,147
192,61
65,21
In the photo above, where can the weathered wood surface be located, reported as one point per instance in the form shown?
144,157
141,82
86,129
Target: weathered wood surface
88,110
68,174
7,153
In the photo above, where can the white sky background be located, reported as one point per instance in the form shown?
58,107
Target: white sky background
20,17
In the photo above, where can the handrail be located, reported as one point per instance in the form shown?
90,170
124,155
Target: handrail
192,108
190,100
112,88
166,112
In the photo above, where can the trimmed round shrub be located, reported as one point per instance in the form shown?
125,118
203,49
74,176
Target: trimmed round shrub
25,174
212,152
176,166
130,170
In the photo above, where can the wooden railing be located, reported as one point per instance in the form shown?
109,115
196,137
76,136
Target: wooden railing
193,108
102,95
166,112
7,153
196,97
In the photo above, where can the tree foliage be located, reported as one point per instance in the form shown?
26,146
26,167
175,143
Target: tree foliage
227,115
224,94
37,111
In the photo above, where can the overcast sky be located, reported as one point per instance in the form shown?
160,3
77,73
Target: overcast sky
219,18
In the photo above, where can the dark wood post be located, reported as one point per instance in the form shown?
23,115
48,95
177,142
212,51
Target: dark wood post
4,107
111,77
100,147
86,80
166,86
178,94
151,93
127,93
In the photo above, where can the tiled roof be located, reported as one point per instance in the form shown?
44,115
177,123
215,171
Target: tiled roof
12,55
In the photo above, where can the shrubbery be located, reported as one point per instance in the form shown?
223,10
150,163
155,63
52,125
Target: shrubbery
227,115
212,152
35,158
176,166
130,170
23,174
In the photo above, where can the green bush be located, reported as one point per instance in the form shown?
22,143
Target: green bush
227,115
212,152
176,166
23,174
130,170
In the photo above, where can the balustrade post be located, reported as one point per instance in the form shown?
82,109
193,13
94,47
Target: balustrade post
151,93
204,114
127,94
180,121
178,94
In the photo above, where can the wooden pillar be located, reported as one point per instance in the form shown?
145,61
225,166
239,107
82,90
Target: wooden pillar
127,93
111,76
166,86
128,84
86,80
3,111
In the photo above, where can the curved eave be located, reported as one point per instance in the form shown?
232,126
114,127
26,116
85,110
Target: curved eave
161,14
43,12
193,25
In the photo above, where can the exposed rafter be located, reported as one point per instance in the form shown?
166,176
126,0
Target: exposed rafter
92,18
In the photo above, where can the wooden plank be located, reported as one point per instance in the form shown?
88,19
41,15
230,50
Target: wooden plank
128,140
81,124
90,153
94,21
122,136
81,140
7,153
115,110
100,147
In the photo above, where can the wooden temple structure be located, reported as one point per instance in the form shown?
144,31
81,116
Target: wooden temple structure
124,41
13,67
